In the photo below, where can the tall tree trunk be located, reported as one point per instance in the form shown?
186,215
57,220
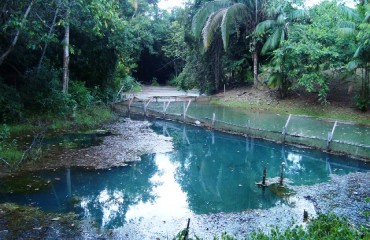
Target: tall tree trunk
47,41
15,39
66,52
255,68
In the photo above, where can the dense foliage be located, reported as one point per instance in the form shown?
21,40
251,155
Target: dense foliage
281,44
62,54
45,68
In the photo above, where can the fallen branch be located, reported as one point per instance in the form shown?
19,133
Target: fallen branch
4,161
37,139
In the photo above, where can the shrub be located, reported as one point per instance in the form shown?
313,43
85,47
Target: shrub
81,94
11,107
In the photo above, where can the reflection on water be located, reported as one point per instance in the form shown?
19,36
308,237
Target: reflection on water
170,200
208,172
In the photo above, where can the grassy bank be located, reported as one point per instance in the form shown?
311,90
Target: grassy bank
298,108
16,139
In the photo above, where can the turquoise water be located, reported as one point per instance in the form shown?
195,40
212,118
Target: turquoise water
208,172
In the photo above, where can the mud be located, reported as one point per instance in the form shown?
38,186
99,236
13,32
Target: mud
129,140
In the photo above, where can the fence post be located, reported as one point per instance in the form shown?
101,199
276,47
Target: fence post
129,103
330,136
285,128
146,105
165,107
186,108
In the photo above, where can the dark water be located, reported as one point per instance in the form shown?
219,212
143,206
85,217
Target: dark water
208,172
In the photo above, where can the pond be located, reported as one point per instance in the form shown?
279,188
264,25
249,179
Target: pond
208,172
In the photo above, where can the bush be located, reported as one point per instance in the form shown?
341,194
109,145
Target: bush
54,101
43,93
8,149
11,107
362,103
324,227
81,94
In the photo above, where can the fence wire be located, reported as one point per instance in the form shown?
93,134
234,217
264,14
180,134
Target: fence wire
331,136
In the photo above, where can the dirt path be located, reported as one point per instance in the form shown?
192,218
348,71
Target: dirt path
166,91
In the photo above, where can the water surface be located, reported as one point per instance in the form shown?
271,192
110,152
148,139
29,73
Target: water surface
208,172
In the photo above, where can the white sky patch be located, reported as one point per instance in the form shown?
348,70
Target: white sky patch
169,4
348,3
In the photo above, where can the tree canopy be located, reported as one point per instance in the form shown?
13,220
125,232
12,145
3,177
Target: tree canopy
100,47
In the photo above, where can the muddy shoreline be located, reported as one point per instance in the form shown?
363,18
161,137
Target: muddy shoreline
127,141
342,195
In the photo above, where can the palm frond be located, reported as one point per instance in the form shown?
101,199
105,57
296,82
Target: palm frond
299,14
264,26
203,13
281,19
275,80
367,17
358,51
234,14
134,4
346,24
346,31
346,28
349,13
213,22
273,41
352,65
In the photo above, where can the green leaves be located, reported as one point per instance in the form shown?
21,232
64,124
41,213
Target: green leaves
203,14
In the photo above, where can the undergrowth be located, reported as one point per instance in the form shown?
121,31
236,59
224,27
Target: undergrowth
328,227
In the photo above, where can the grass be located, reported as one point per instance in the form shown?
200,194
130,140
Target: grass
11,154
285,107
11,151
326,226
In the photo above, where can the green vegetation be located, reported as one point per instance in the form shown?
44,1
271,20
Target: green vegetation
13,137
319,111
279,44
324,227
207,45
25,222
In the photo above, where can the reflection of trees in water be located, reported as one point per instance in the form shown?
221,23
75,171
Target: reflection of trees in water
219,171
107,195
217,177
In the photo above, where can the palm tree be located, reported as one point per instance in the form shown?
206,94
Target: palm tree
276,30
359,25
228,14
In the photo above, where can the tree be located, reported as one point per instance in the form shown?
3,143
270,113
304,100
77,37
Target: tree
227,14
358,25
66,47
277,31
314,52
175,47
18,31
